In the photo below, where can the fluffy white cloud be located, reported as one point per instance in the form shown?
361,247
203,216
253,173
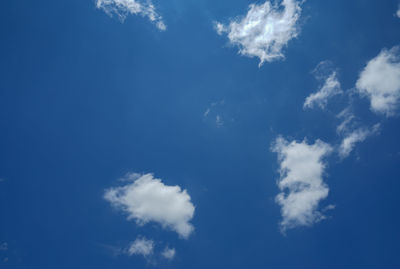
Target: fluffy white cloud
141,246
301,182
265,30
398,12
168,253
330,88
146,199
380,82
122,8
354,137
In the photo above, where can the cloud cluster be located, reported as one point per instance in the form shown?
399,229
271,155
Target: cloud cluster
301,183
330,88
122,8
380,82
147,199
265,30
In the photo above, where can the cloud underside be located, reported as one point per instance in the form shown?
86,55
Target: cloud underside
146,199
122,8
330,88
301,183
380,82
265,30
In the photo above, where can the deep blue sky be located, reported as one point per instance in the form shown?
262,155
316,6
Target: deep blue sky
85,99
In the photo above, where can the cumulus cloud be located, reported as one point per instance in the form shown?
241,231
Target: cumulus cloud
168,253
141,246
265,30
301,183
122,8
147,199
380,82
330,88
354,137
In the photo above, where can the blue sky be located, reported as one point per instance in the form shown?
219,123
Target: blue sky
177,134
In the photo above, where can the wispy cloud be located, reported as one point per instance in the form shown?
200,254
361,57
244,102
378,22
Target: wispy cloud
141,246
213,112
330,88
147,199
219,121
168,253
380,82
301,183
354,137
265,30
122,8
347,118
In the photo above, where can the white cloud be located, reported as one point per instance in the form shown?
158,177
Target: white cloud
141,246
330,88
146,199
301,183
265,30
380,82
354,137
398,12
168,253
348,118
122,8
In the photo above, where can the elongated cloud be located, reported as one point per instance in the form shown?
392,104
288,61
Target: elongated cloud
380,82
122,8
347,118
265,30
354,137
301,182
330,88
146,199
141,246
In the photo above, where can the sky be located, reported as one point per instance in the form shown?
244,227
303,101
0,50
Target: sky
199,134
